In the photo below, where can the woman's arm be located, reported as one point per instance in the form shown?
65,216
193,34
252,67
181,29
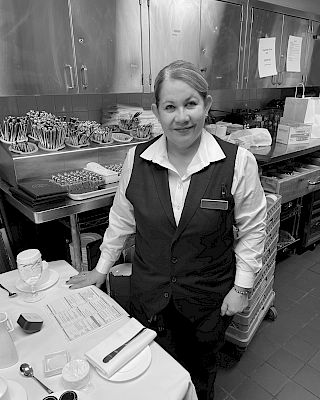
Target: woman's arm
121,225
250,223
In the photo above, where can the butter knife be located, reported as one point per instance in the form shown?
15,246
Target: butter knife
110,356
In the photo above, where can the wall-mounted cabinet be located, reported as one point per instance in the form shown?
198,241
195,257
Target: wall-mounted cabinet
70,46
222,38
36,47
114,46
107,42
267,21
313,75
174,33
209,33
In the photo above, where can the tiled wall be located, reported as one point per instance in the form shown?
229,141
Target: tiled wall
89,107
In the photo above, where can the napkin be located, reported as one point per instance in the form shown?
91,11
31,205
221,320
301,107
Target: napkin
116,339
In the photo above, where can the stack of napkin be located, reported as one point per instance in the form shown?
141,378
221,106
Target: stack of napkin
37,193
96,355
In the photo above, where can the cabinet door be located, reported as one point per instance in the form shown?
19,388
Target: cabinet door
36,48
293,26
263,24
107,40
221,43
174,33
313,65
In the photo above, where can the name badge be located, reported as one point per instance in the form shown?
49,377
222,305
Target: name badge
214,204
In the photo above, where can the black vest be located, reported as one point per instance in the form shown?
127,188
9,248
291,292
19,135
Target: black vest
193,262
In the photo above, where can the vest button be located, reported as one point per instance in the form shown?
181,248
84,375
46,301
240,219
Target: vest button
174,260
174,279
166,294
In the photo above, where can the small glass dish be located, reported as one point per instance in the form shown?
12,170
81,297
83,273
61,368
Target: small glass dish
53,363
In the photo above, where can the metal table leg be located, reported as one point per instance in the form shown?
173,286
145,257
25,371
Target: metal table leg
76,242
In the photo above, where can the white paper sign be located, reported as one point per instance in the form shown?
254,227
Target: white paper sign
294,54
267,57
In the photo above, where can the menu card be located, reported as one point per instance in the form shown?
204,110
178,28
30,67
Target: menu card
85,311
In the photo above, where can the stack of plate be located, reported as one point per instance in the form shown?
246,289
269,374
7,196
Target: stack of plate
85,239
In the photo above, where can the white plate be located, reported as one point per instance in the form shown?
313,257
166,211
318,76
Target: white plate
32,145
112,187
141,138
134,368
121,137
76,146
97,141
56,149
53,278
16,391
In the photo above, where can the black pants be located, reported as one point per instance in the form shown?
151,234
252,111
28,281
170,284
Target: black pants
194,344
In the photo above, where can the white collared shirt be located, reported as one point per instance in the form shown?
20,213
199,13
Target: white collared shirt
249,212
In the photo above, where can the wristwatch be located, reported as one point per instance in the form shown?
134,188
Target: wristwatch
241,290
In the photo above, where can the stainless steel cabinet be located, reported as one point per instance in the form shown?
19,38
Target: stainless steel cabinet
295,26
266,21
36,47
313,64
222,42
107,41
174,33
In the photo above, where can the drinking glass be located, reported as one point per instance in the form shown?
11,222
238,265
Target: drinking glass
29,264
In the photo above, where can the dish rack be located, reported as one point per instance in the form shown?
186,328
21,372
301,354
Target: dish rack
260,301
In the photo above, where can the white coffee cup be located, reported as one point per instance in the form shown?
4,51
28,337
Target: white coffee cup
4,390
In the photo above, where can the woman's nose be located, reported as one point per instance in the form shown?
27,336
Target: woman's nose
181,115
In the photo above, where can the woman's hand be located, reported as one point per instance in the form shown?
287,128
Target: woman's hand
86,278
234,303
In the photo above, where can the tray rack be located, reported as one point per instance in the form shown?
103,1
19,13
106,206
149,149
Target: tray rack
260,302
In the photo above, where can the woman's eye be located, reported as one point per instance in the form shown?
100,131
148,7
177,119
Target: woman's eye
169,107
191,104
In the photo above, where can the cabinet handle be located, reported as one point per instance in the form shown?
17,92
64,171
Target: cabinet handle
280,80
273,79
84,76
314,182
68,68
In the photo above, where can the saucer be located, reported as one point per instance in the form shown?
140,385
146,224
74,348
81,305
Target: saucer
134,368
52,279
16,390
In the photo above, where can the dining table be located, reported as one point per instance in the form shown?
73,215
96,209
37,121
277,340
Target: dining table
164,378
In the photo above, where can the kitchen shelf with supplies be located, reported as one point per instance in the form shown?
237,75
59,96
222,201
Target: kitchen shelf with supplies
296,177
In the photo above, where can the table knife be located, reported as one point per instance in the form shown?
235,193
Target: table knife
109,356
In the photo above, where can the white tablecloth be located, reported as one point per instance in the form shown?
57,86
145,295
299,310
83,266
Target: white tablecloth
165,379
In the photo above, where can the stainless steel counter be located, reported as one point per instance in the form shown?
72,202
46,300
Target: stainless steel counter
70,208
281,152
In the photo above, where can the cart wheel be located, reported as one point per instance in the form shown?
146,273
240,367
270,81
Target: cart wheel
239,351
272,314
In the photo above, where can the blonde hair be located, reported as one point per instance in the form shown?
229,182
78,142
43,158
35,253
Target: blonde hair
184,71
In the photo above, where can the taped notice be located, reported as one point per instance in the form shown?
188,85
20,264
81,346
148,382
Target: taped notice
267,57
294,54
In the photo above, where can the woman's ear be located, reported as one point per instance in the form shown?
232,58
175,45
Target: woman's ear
154,109
208,103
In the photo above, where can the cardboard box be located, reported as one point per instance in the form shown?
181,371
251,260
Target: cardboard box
293,134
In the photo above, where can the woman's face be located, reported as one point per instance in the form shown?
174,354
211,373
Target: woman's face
181,113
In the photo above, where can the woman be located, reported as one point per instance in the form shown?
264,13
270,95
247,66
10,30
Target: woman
198,211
